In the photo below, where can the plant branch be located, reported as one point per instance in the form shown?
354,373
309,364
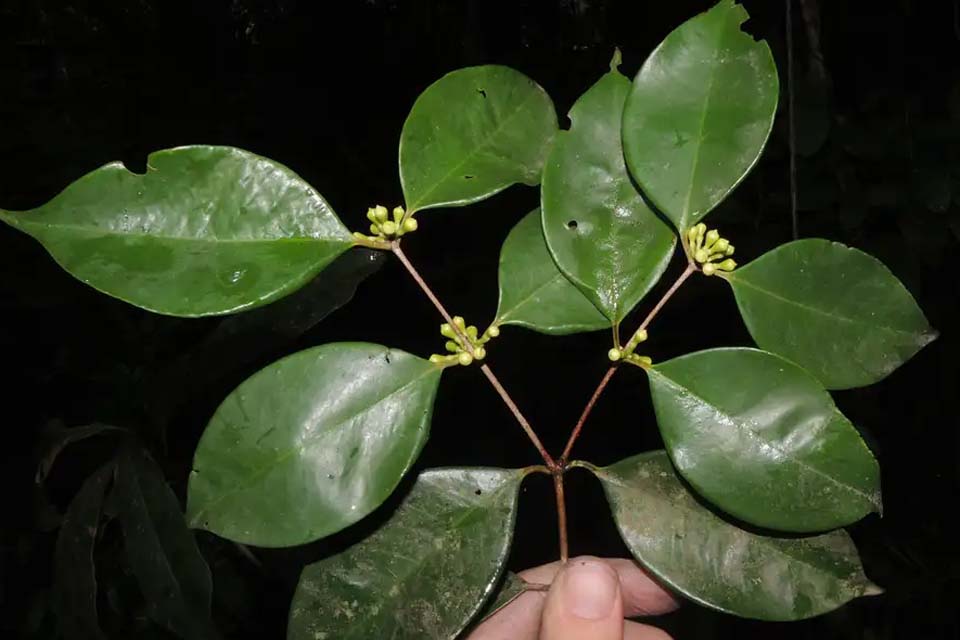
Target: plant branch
561,514
609,374
494,381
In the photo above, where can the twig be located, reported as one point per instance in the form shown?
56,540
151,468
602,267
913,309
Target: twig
609,374
561,515
494,381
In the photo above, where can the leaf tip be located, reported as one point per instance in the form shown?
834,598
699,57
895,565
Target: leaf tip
872,589
616,60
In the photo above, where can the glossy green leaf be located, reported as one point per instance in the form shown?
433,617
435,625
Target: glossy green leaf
699,113
534,293
311,444
206,230
472,133
835,311
760,438
75,582
601,233
422,575
718,564
161,551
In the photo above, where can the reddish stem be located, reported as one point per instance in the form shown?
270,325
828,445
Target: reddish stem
561,514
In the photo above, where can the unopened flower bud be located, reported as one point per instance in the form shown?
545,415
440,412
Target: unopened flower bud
410,224
380,212
727,265
720,246
460,322
375,229
371,215
389,227
709,269
701,255
614,354
465,358
711,238
472,332
398,214
493,331
729,250
452,346
480,353
447,331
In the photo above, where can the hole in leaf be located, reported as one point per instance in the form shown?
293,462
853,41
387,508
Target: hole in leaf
468,177
477,492
572,225
482,92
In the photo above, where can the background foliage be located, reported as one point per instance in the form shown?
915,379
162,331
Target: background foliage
325,89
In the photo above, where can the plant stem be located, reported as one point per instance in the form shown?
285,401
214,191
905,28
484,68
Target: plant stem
561,514
609,374
494,381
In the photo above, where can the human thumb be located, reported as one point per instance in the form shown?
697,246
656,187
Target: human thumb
584,603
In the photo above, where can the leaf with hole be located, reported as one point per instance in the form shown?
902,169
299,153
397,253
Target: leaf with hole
699,113
718,564
205,231
473,133
534,293
423,574
601,233
836,311
311,444
761,438
173,576
75,579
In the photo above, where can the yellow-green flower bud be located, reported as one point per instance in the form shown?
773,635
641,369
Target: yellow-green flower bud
375,229
452,346
465,358
691,235
472,332
729,250
410,224
460,322
709,269
380,212
641,336
447,331
398,214
437,358
389,227
727,265
712,236
480,353
371,215
701,255
614,354
720,246
493,331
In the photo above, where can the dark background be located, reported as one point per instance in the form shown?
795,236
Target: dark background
324,87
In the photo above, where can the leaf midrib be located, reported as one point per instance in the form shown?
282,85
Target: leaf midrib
756,436
277,461
816,310
469,156
762,540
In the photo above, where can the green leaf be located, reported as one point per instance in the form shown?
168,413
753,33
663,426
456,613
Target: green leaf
75,583
425,573
311,444
205,231
173,576
534,293
473,133
760,438
601,233
835,311
699,114
718,564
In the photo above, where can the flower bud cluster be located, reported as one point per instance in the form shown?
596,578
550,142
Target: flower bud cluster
707,247
383,227
626,353
461,351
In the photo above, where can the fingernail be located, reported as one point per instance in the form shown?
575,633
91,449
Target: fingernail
589,590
